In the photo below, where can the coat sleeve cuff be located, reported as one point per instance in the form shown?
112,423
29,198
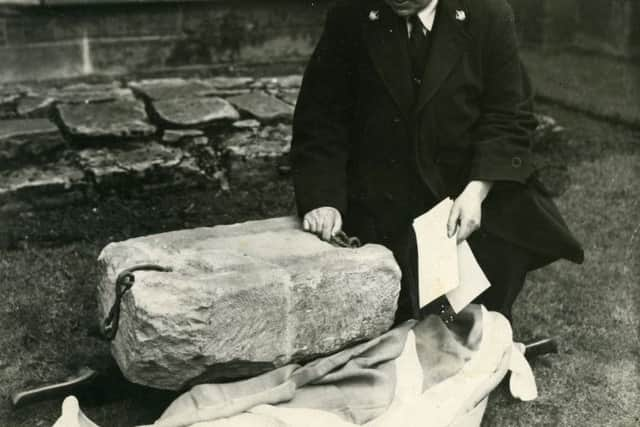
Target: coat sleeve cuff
514,168
319,197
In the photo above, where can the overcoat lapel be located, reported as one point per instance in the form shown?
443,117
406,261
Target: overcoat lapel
448,42
386,38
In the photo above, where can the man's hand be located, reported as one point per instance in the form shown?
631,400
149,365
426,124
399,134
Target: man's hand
325,222
466,213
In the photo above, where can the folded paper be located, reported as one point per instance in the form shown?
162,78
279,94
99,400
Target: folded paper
437,254
444,267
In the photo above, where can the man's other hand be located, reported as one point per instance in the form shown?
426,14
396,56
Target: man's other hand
325,222
466,213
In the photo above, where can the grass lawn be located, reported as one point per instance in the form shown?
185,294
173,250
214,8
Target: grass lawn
604,87
594,308
47,281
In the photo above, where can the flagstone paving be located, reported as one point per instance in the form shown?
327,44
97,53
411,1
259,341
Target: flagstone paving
263,106
41,186
255,157
141,133
194,112
119,119
148,164
170,88
34,106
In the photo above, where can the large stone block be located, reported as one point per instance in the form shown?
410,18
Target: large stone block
242,299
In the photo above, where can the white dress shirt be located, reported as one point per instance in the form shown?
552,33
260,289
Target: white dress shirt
427,16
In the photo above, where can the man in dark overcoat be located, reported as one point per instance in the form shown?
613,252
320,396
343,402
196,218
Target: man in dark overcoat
407,102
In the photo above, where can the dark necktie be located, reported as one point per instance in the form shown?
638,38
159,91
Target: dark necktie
418,50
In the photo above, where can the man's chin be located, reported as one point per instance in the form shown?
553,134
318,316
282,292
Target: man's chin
408,8
404,12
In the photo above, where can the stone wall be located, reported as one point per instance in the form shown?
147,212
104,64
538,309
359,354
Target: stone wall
43,42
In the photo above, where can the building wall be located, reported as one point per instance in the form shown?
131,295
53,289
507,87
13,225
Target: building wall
62,38
53,42
605,26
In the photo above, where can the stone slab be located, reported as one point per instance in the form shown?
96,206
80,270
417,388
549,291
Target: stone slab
8,100
256,156
262,106
179,136
284,82
241,300
290,97
142,165
28,140
121,119
170,88
88,97
292,81
229,82
194,112
86,93
225,93
53,184
246,124
35,106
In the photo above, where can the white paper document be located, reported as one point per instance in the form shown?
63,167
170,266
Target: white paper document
473,281
445,268
437,254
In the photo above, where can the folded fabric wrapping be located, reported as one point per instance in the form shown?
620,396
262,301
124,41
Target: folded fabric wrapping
424,373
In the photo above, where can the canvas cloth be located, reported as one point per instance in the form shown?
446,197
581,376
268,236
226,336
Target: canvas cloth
422,373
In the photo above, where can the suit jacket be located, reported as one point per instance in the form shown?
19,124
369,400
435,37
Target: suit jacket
365,144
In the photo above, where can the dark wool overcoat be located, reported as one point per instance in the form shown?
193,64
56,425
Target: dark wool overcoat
362,137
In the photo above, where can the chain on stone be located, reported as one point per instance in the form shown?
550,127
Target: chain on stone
341,240
124,282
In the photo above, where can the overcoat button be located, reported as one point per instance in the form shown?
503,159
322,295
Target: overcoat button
516,162
388,196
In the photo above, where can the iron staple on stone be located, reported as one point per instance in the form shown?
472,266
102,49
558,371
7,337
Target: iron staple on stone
124,282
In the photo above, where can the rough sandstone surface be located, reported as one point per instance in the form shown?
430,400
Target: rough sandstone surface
242,299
